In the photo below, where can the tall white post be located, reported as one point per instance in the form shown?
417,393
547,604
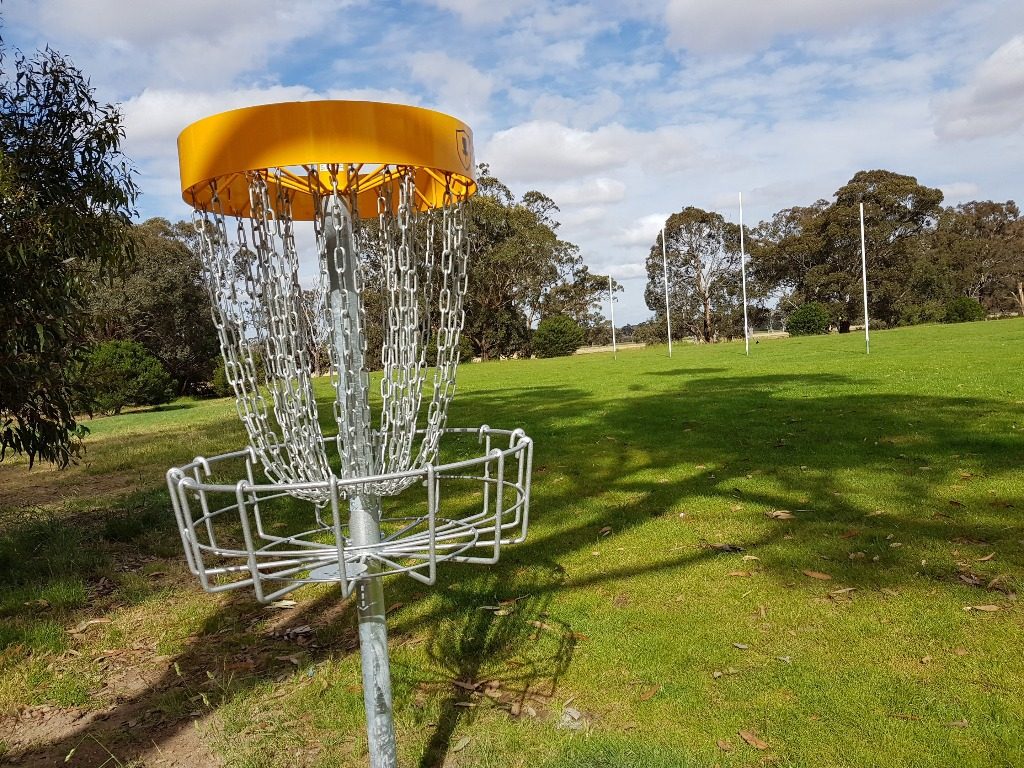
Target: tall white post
668,316
864,274
743,272
611,304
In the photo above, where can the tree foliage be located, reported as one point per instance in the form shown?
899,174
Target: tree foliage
121,373
703,255
557,336
813,253
162,304
964,310
66,200
520,271
810,319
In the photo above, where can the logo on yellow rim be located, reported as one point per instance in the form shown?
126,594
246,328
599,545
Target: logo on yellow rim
464,144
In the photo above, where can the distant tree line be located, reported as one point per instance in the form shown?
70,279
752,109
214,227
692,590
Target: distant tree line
923,261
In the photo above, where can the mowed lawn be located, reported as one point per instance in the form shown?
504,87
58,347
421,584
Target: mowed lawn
808,557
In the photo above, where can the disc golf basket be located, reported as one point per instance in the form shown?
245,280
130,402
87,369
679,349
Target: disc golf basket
384,187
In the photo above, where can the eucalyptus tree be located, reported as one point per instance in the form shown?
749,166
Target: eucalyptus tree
702,251
66,200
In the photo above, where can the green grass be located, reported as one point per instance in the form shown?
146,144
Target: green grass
911,460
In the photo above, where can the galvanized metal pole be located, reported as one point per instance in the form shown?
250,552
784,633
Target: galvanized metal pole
864,273
668,315
611,304
743,272
364,512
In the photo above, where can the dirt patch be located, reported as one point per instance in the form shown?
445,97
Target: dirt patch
130,731
45,486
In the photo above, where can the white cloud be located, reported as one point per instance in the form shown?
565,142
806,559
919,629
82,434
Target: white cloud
642,231
186,42
477,12
711,26
992,102
459,88
598,190
959,190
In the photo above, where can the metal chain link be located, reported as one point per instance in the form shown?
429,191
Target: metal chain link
258,311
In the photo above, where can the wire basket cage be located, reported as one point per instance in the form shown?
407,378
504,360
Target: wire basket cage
268,537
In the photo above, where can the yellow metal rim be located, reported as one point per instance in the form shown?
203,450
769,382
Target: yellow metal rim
285,141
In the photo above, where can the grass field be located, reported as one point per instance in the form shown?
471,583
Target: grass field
867,614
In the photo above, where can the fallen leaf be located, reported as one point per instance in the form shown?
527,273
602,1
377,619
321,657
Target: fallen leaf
540,625
86,624
970,578
843,591
987,557
740,646
605,531
876,513
849,534
283,604
393,607
986,608
958,723
785,659
726,547
724,745
904,716
461,744
650,693
752,740
739,573
890,592
464,685
817,575
857,555
956,503
751,557
716,674
926,659
779,514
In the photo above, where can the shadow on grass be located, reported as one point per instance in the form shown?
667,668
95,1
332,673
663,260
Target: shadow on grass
764,442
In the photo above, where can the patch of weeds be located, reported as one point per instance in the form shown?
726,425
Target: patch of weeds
69,690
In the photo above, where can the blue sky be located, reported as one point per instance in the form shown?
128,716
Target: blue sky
621,112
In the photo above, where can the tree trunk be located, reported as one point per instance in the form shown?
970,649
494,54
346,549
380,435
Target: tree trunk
1018,296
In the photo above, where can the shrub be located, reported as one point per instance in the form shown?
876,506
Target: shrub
809,319
220,385
931,311
120,373
557,336
964,310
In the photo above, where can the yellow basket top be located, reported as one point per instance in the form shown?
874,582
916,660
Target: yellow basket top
282,140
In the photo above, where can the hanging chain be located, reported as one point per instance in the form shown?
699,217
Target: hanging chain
266,332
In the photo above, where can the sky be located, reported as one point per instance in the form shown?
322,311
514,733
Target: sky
622,112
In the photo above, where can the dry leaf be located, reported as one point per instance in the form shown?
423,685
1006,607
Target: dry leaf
876,513
283,604
716,674
740,646
986,608
605,531
461,744
650,693
987,557
752,740
751,557
779,514
393,607
739,573
958,723
843,591
724,745
956,503
857,555
849,534
817,575
86,624
726,547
